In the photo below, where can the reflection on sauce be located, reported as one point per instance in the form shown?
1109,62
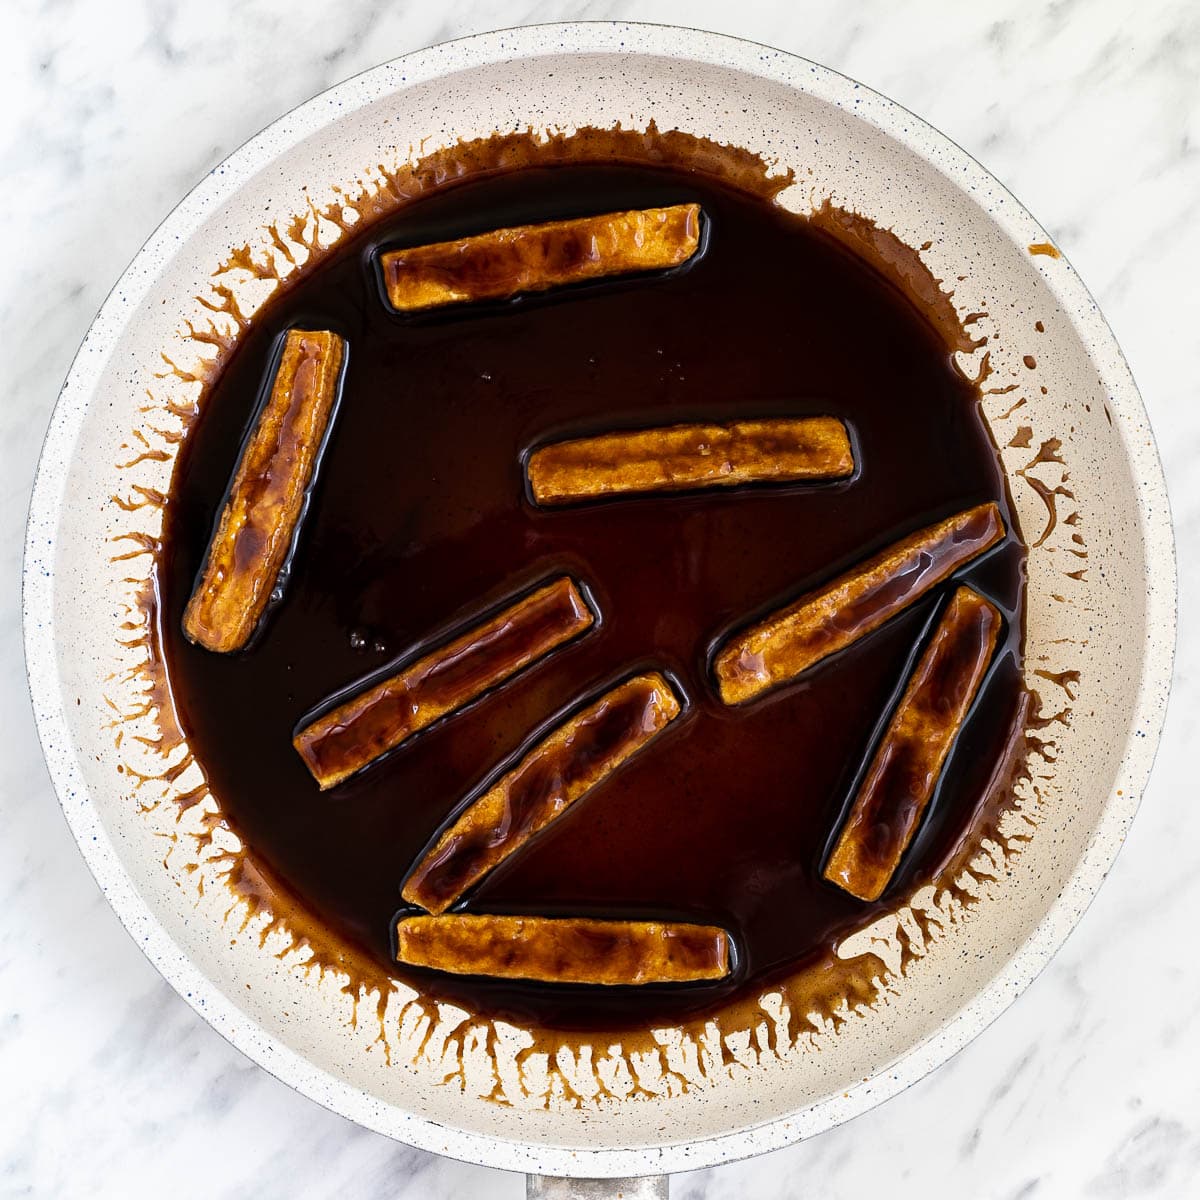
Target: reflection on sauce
566,949
247,560
560,770
378,719
533,258
908,763
685,457
421,515
790,642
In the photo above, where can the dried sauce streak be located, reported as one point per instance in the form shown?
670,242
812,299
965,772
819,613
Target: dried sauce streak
420,521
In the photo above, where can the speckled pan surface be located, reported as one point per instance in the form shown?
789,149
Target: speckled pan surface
1100,626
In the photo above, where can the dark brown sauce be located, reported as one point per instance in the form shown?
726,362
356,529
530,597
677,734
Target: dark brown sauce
420,521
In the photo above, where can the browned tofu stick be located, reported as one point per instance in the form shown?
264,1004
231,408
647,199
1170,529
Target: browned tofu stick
532,258
561,768
690,456
564,950
353,734
906,767
267,497
819,624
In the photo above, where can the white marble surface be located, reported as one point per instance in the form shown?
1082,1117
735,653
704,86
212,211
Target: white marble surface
109,1085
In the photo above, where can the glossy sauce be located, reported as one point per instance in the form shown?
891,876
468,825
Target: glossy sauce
533,258
420,522
938,694
561,769
378,716
835,616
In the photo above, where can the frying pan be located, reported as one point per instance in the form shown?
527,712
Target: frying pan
1089,495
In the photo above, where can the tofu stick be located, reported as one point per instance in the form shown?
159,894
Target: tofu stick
906,767
347,738
532,258
829,619
558,771
266,500
564,950
690,456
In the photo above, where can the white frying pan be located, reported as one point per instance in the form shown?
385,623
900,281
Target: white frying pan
696,1109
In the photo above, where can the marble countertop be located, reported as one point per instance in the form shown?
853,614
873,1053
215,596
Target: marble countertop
112,1086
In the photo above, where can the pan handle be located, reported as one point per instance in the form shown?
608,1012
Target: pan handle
644,1187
